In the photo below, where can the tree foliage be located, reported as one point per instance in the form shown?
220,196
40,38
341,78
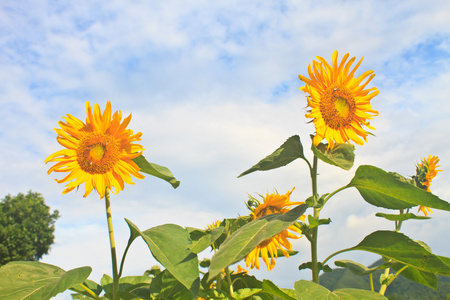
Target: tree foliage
26,227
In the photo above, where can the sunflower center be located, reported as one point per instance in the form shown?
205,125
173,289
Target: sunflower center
98,153
337,107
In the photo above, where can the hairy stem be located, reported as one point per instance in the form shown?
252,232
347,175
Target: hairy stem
113,247
315,230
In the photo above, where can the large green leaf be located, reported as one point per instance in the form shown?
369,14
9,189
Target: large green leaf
246,238
156,170
285,154
400,248
35,280
383,189
170,246
342,155
306,290
130,287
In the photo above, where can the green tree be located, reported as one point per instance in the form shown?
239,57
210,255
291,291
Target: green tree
26,227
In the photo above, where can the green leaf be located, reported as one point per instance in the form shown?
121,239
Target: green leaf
383,189
314,222
401,217
419,276
359,269
170,246
245,293
342,155
165,286
246,238
270,288
93,286
306,290
320,267
156,170
35,280
400,248
202,239
285,154
356,294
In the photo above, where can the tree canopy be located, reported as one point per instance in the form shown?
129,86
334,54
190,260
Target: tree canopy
26,227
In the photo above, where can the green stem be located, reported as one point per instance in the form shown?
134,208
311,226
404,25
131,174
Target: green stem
123,260
315,230
113,247
334,193
336,253
93,295
230,284
384,285
371,282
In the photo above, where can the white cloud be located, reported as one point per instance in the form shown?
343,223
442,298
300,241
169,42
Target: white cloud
214,88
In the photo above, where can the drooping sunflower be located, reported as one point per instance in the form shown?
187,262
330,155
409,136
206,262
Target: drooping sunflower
98,153
425,172
273,203
339,103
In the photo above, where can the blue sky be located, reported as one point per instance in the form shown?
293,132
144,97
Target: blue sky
213,87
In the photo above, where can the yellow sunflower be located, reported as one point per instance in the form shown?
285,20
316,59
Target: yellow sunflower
98,153
273,203
340,106
425,172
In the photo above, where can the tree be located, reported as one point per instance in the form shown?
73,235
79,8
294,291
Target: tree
26,227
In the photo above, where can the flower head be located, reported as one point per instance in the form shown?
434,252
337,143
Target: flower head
273,203
98,153
425,172
340,106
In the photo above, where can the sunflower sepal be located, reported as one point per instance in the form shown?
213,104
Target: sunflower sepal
316,201
289,151
156,170
342,155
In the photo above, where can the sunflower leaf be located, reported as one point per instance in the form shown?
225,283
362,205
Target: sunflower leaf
359,269
285,154
401,217
245,239
342,155
426,278
170,245
383,189
402,249
156,170
305,289
35,280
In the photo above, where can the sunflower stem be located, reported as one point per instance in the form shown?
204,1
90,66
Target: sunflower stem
315,231
113,247
230,284
384,285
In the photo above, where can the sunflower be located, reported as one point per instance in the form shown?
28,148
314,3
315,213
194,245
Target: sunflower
98,153
425,172
340,106
273,203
